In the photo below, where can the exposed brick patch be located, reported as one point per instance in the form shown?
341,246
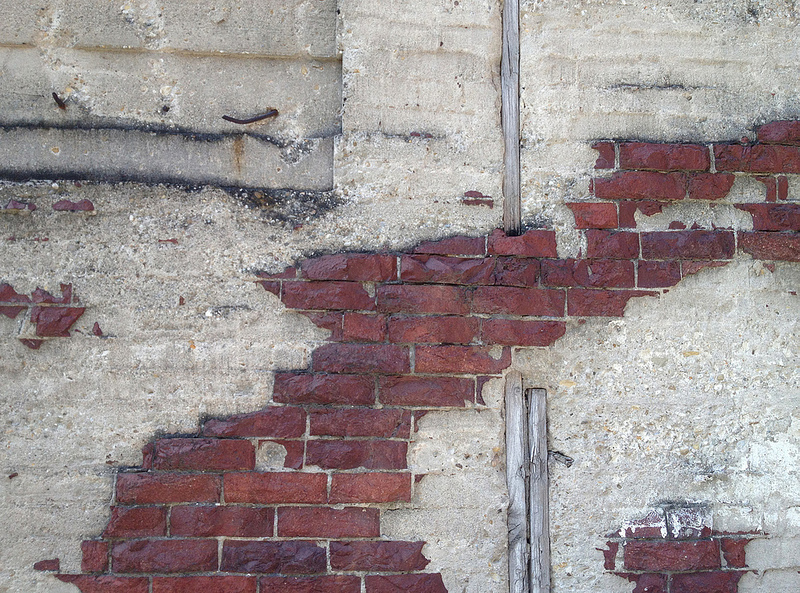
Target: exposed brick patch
106,584
602,303
733,551
203,454
663,157
454,246
773,217
273,422
354,267
707,582
597,273
322,389
276,487
671,555
522,333
272,557
372,454
361,358
431,329
378,556
612,244
136,522
215,521
710,186
405,583
462,359
220,584
606,156
705,245
658,274
446,270
510,300
533,243
370,487
594,216
324,584
641,185
164,556
51,565
69,206
446,300
771,246
628,209
757,158
364,328
328,523
94,556
359,422
426,391
780,132
647,583
147,488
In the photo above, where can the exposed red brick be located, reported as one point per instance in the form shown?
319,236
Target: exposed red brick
758,158
771,186
289,273
358,267
606,156
773,217
361,358
106,584
516,271
271,286
659,274
51,565
303,388
612,245
32,344
533,243
594,216
509,300
405,583
147,488
522,333
692,267
485,201
454,246
610,555
378,556
327,522
11,312
676,225
214,521
597,273
647,583
327,295
440,330
780,132
203,454
656,556
361,422
663,157
653,525
211,584
628,208
294,452
426,391
275,421
706,582
55,321
364,328
330,321
276,487
42,296
324,584
641,185
446,270
710,186
68,206
9,295
783,187
602,303
446,300
165,556
480,383
287,557
372,454
771,246
688,245
94,556
126,522
372,487
733,551
462,359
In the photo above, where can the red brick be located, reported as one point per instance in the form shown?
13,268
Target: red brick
328,523
405,583
361,358
438,330
688,245
759,158
147,488
447,300
327,295
11,312
361,422
55,321
671,555
331,321
780,132
771,246
9,295
454,246
594,216
303,388
364,328
164,556
446,270
509,300
203,454
516,271
628,208
733,551
275,421
533,243
663,157
426,391
325,584
294,452
641,185
601,303
95,556
272,286
42,296
522,333
372,454
210,584
378,556
597,273
773,217
470,360
783,187
106,584
612,245
69,206
646,583
276,487
771,185
710,186
659,274
706,582
288,557
51,565
372,487
692,267
214,521
606,156
358,267
128,522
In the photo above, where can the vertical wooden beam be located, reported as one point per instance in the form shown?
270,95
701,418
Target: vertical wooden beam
516,479
539,497
509,84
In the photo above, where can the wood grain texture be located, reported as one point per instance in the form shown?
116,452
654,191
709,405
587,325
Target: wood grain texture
516,479
509,81
539,497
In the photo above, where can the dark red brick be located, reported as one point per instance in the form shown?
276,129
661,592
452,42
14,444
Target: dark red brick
533,243
438,330
303,388
215,521
358,267
325,584
51,565
106,584
287,557
371,487
55,321
596,273
372,454
9,295
688,245
733,551
361,422
516,271
606,156
647,583
628,208
773,217
610,555
446,270
361,358
663,157
601,303
203,454
509,300
771,185
276,487
126,522
612,245
378,556
758,158
164,556
364,328
522,333
94,556
42,296
332,321
446,300
783,187
706,582
462,359
11,312
327,295
641,185
294,452
426,391
405,583
692,267
454,246
272,286
328,523
147,488
69,206
657,556
210,584
594,216
710,186
780,132
659,274
277,421
771,246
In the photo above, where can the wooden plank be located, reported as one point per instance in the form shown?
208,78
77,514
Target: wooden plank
509,84
516,479
539,497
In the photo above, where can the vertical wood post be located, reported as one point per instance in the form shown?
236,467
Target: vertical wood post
509,83
539,497
516,479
